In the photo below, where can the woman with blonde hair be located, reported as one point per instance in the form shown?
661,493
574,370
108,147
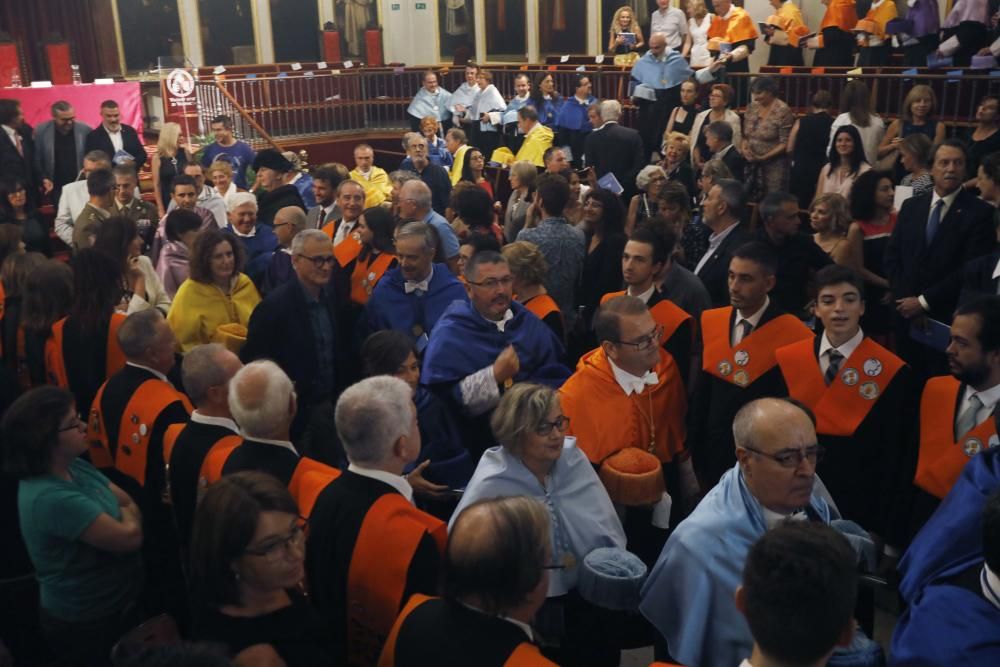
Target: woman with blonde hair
623,23
830,220
529,268
171,156
916,117
220,173
676,164
699,22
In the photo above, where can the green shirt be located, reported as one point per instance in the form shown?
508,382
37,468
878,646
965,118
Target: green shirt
78,582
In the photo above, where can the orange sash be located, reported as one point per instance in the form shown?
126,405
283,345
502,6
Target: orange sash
376,580
739,27
665,312
224,444
840,14
55,364
308,480
367,274
754,355
542,306
215,460
941,459
134,430
841,407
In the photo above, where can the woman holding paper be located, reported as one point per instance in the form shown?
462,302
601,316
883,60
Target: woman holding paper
625,33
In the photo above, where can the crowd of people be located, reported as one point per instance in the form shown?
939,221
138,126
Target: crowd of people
389,414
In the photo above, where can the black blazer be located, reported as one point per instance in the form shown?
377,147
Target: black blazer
914,269
976,278
98,140
280,330
618,150
15,166
736,162
715,273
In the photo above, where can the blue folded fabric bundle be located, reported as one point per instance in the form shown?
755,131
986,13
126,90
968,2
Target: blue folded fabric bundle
611,578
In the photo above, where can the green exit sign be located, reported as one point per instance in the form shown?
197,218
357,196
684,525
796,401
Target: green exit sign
395,8
421,5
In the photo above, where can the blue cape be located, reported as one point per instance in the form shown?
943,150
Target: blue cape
661,75
947,625
424,104
464,342
391,308
441,443
583,518
572,115
688,596
950,541
259,248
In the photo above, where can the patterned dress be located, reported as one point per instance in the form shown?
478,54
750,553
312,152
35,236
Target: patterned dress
765,130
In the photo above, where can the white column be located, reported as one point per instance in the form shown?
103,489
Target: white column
531,9
191,31
479,9
326,12
262,34
594,27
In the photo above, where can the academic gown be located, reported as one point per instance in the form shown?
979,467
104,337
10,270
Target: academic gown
719,396
858,422
573,125
275,460
441,443
665,77
442,633
464,342
933,460
952,539
269,203
950,623
186,459
837,45
688,596
390,307
426,104
582,516
334,527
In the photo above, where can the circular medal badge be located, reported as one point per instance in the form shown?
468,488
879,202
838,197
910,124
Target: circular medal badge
742,358
725,368
742,378
849,376
872,367
869,391
972,446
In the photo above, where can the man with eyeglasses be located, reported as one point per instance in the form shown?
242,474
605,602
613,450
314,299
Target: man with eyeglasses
627,395
288,222
343,231
956,418
296,326
643,259
412,297
858,391
688,596
738,362
483,345
369,548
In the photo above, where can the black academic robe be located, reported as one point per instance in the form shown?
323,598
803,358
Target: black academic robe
714,406
275,460
334,526
448,634
186,459
856,467
269,203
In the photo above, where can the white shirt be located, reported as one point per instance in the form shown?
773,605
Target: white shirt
344,230
753,320
632,383
253,233
988,397
846,349
11,133
501,324
411,286
284,444
714,241
772,518
116,140
395,481
672,23
224,422
158,374
645,295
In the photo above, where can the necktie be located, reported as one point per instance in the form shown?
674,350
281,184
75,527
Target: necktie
967,420
835,358
322,217
934,221
746,329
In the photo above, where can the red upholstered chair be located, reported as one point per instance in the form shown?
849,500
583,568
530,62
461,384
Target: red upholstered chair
9,63
59,59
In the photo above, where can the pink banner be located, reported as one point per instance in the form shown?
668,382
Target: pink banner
86,100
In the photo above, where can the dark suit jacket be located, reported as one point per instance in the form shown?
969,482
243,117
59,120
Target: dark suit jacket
715,273
616,149
15,166
98,140
45,142
914,269
736,163
976,278
280,330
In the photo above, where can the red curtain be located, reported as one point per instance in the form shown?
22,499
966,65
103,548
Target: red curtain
88,25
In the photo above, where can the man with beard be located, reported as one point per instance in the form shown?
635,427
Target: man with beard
955,411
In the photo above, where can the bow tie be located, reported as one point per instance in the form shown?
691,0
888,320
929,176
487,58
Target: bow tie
410,286
639,384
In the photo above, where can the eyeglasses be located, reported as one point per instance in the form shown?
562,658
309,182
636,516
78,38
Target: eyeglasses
319,261
493,283
77,423
645,342
280,224
792,458
545,428
273,550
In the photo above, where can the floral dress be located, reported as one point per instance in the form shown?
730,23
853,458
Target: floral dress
765,130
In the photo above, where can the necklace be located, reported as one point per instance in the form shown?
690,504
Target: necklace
649,420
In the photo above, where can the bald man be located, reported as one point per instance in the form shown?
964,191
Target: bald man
415,205
288,222
688,596
481,620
